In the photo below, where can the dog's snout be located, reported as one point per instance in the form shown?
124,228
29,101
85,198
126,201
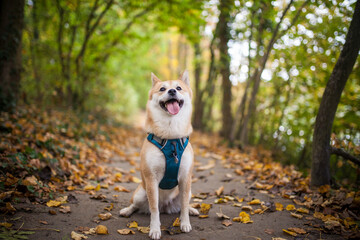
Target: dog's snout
172,92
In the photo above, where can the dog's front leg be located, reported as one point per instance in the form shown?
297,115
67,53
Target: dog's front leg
152,193
185,190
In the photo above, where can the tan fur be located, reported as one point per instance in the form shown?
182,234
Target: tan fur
148,196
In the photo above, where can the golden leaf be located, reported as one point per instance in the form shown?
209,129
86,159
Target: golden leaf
290,207
77,236
176,223
219,191
255,202
279,207
97,188
302,210
205,208
109,208
89,187
6,224
121,189
203,216
132,224
299,216
101,230
297,230
53,203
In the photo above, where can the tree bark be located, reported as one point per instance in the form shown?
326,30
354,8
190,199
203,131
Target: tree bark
320,170
199,106
11,25
224,69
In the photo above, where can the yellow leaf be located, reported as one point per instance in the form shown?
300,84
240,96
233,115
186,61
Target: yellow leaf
220,200
279,206
258,211
240,200
290,207
53,203
135,179
244,217
205,208
70,188
324,189
302,210
89,188
318,215
77,236
125,231
176,223
101,230
106,186
255,202
290,232
109,208
97,187
132,224
203,216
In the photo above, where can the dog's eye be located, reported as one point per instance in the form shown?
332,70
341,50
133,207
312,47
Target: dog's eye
178,88
162,89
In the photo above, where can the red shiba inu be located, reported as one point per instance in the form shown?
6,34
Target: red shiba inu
166,155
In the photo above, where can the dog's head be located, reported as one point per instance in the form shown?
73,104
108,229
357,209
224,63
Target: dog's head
171,97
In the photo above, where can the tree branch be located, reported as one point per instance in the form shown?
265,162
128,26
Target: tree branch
342,153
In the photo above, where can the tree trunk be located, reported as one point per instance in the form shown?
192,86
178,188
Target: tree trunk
224,69
320,170
11,25
199,106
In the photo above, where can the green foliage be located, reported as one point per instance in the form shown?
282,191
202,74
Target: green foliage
10,234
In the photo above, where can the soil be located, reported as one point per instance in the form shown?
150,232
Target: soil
85,212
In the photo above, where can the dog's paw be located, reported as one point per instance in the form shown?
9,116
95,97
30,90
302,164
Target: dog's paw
185,227
126,212
155,233
193,211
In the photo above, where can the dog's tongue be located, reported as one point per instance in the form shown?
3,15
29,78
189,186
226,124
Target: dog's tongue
173,107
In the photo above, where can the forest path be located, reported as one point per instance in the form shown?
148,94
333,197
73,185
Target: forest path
84,210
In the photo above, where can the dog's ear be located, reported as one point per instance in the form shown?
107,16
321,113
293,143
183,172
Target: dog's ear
154,79
185,77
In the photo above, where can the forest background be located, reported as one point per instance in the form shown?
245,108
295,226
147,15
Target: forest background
258,68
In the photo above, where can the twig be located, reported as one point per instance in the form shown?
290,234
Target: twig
342,153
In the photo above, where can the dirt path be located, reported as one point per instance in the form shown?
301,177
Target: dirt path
84,212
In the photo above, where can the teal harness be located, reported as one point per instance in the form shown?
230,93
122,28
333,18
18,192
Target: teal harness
172,149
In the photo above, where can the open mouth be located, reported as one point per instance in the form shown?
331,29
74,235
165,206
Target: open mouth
172,105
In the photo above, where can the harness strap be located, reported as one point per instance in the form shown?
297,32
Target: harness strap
172,150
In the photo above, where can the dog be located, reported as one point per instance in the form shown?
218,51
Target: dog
164,187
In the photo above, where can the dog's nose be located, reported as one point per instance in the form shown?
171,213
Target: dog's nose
172,92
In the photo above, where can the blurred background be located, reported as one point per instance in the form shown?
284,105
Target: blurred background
258,68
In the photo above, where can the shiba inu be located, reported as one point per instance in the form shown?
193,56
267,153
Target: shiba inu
166,155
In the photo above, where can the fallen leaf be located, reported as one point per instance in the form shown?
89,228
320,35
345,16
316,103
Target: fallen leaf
290,207
203,216
125,231
176,223
105,216
89,187
299,216
290,232
97,188
255,202
77,236
210,165
65,209
297,230
132,224
143,229
237,205
205,208
220,200
279,207
52,212
121,189
302,210
10,207
195,205
269,231
219,191
226,222
101,230
222,216
98,197
257,211
243,217
109,208
247,208
43,222
53,203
